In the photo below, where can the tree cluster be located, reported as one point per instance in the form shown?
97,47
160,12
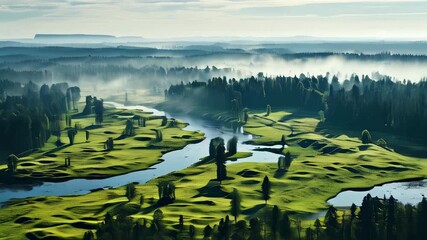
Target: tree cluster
381,219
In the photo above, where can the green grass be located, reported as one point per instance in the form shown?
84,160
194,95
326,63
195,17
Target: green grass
90,160
321,168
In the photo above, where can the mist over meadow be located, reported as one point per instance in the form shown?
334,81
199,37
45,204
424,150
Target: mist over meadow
155,69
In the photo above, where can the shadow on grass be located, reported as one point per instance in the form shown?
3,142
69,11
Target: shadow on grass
212,189
253,210
280,173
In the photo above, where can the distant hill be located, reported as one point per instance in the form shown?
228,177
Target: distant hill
72,36
83,38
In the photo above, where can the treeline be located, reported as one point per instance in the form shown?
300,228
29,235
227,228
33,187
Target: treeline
357,102
399,107
27,121
23,76
108,71
253,92
383,56
376,219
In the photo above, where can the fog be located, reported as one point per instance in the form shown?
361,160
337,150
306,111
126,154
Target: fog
272,65
149,72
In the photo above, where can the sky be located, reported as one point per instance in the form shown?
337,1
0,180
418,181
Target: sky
382,19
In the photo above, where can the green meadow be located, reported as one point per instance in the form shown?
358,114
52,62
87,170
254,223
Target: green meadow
89,159
322,166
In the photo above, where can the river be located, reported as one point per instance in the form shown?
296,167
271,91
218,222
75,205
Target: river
173,161
409,192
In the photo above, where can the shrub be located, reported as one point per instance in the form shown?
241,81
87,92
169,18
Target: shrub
382,143
268,110
130,191
366,137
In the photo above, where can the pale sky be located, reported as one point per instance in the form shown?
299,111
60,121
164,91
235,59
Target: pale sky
383,19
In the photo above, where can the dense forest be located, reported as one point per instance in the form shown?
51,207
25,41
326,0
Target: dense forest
28,120
376,219
357,102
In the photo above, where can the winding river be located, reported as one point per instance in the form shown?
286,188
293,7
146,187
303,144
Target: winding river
173,161
411,192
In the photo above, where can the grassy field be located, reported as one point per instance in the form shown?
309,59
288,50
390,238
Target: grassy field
89,159
322,166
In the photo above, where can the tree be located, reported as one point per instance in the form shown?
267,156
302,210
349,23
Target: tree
109,144
158,219
391,218
281,163
221,171
214,143
240,230
322,116
159,135
71,135
143,122
265,187
309,235
318,228
268,110
275,217
99,111
207,232
285,226
232,145
288,160
255,229
283,141
181,221
12,162
331,222
88,236
166,191
353,209
235,109
366,137
67,161
164,121
235,204
382,143
299,227
130,191
366,224
129,130
88,107
245,115
192,231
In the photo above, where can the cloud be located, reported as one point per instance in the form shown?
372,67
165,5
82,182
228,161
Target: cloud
339,9
169,18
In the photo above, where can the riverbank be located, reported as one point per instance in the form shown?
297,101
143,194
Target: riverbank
90,160
322,166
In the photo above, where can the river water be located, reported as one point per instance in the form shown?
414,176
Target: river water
173,161
406,192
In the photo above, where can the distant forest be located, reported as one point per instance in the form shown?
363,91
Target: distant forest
146,76
356,103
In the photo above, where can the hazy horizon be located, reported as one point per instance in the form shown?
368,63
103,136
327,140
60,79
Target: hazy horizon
176,19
